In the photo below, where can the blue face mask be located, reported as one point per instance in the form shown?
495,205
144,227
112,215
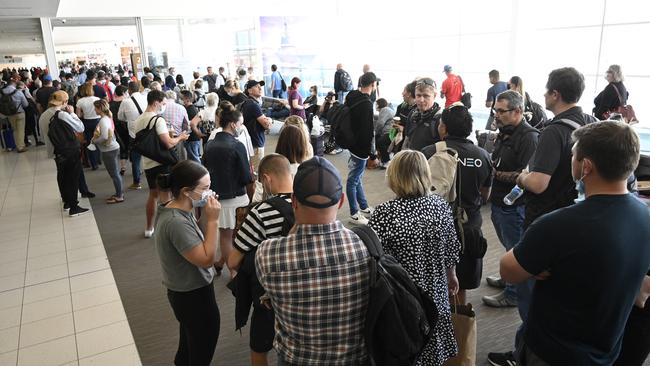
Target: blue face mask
203,200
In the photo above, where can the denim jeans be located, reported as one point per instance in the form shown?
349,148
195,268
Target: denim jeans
111,161
193,150
136,158
508,223
277,93
354,184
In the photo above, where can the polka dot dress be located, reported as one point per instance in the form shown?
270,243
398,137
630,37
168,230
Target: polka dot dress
419,233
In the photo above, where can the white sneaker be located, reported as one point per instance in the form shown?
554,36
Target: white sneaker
368,210
358,220
148,233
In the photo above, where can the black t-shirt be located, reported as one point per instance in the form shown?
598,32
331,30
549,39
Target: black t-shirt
512,154
553,157
192,111
475,169
43,95
251,110
597,253
237,99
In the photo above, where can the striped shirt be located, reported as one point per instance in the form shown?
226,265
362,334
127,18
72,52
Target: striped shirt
318,283
262,222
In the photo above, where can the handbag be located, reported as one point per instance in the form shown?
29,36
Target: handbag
463,319
626,110
148,144
466,97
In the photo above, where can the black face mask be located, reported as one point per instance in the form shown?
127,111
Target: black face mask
507,129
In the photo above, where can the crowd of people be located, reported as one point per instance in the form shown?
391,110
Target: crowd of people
577,261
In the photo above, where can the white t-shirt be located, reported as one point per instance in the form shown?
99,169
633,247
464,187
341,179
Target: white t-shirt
87,107
104,136
161,128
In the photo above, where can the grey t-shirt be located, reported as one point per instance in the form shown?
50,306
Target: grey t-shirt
177,232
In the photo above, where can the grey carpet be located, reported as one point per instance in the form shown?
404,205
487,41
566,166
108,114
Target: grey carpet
137,274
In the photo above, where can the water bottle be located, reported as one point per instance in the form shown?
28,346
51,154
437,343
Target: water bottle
514,194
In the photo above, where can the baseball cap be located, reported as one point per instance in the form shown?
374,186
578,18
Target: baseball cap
317,177
252,83
447,68
367,79
47,77
58,98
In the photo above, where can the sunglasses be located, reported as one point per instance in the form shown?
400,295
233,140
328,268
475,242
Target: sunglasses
426,81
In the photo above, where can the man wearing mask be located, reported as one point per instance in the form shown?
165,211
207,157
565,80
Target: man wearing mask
514,147
590,259
156,105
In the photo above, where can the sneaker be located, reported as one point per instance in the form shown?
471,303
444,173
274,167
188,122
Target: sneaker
338,150
148,233
88,195
66,207
76,211
358,220
495,281
135,186
40,143
22,150
501,359
368,210
499,301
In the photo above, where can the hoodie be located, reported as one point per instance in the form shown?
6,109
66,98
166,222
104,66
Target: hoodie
361,117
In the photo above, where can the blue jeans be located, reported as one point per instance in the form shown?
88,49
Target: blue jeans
277,93
508,223
193,149
136,158
354,184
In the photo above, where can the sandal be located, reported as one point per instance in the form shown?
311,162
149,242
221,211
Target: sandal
114,199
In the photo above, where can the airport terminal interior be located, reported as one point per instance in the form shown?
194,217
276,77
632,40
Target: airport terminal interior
88,289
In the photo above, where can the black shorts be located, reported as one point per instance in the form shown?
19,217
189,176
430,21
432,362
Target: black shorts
152,173
469,272
262,329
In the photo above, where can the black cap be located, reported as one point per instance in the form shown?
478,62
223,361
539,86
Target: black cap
317,177
367,79
252,83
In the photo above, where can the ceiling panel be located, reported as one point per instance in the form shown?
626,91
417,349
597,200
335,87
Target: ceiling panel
20,36
28,8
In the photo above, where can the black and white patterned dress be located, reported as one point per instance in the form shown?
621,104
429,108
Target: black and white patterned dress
420,234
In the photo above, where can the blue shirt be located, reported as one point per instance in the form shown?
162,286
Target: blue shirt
277,80
495,90
597,252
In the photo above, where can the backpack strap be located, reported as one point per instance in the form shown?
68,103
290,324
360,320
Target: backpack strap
284,208
370,239
573,125
155,120
137,106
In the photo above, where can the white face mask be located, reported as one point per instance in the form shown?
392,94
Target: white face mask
203,200
162,109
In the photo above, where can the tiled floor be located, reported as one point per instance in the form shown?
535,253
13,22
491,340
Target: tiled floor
59,304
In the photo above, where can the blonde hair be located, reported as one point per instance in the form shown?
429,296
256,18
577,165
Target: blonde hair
297,121
294,121
102,106
155,86
232,85
86,90
408,175
617,73
212,99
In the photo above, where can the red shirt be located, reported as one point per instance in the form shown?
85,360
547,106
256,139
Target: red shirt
452,88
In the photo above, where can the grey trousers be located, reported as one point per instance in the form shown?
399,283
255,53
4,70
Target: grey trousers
111,161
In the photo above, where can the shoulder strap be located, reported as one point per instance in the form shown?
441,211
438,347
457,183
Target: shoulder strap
461,82
136,104
573,125
154,119
284,208
55,116
370,239
620,98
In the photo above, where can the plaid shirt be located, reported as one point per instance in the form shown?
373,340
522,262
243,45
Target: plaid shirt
318,282
176,116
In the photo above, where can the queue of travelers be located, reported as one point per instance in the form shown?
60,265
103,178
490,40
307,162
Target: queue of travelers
576,241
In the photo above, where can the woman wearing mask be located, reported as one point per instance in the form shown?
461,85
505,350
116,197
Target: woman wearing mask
295,99
234,92
417,229
86,111
105,140
226,159
186,257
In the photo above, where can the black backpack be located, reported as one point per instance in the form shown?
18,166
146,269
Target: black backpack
535,115
401,317
62,136
340,120
7,105
346,82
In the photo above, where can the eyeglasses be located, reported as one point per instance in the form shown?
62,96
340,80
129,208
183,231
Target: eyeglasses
426,81
503,111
